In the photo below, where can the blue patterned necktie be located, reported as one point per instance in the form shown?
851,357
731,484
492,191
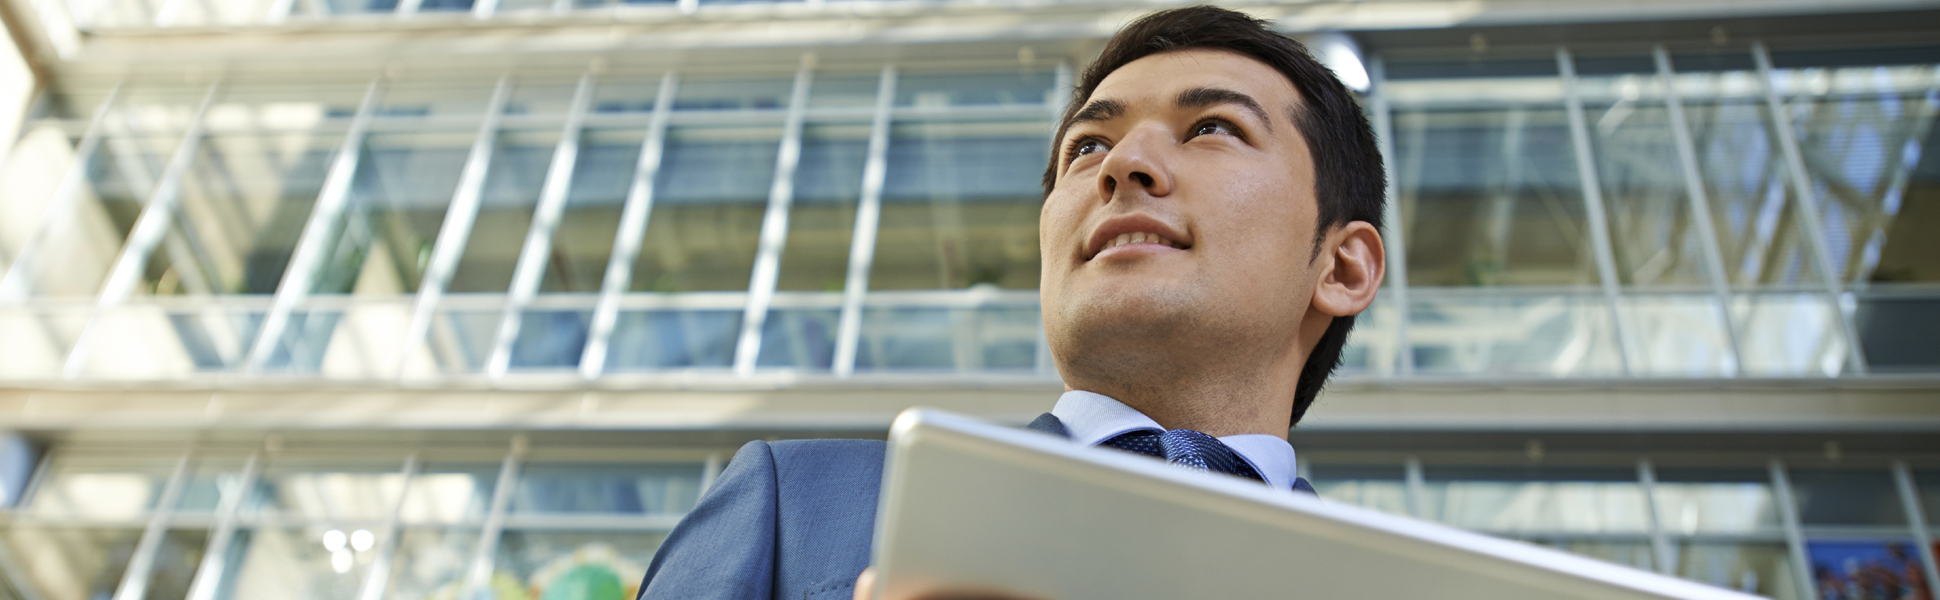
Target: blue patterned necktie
1186,448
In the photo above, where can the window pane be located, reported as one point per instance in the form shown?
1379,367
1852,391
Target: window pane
960,206
1651,229
176,560
1678,336
1381,487
940,90
460,339
85,245
821,219
101,487
450,492
1536,499
211,482
1897,331
244,202
298,563
70,563
397,203
431,562
844,91
38,341
1861,130
1847,497
1763,569
1715,500
518,170
330,491
734,94
658,339
709,200
1788,335
551,339
578,564
1487,184
608,488
802,338
1928,484
602,179
1747,180
951,339
1546,336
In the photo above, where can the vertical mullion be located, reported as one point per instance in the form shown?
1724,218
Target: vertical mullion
1700,203
379,576
215,566
63,203
134,582
633,228
868,220
1606,261
1807,206
774,225
457,227
1660,541
1916,519
531,268
1417,488
1395,236
478,576
1788,514
147,233
307,258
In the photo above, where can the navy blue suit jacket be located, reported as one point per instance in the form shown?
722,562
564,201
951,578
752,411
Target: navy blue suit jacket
790,519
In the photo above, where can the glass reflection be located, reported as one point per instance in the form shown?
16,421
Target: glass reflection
1715,500
397,203
583,242
821,218
329,491
298,563
511,192
69,563
1747,181
960,206
1555,336
243,203
578,564
659,339
608,488
709,200
991,338
1536,499
802,338
1651,230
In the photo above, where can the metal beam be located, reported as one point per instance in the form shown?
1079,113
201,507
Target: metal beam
62,205
1660,541
141,563
478,577
1699,200
149,229
1807,208
531,268
379,576
1395,238
774,225
457,228
1916,521
633,228
215,563
1788,515
1598,220
306,260
868,220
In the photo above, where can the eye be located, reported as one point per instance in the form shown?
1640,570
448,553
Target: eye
1212,127
1084,146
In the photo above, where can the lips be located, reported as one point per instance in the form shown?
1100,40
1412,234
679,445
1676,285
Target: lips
1134,229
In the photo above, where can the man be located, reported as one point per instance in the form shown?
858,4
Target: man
1210,228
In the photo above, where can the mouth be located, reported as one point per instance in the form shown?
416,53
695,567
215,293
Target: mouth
1132,232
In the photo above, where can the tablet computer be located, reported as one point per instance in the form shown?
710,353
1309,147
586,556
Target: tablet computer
968,506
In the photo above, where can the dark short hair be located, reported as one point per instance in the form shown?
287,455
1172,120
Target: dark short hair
1349,180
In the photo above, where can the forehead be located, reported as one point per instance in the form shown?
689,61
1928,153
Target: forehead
1160,77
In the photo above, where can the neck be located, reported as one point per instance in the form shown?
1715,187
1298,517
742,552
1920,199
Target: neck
1217,397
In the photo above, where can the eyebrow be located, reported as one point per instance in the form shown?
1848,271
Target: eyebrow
1195,98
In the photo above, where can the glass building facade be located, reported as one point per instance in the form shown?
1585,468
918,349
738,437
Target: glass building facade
448,297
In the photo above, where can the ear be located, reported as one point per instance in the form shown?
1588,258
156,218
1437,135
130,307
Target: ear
1351,271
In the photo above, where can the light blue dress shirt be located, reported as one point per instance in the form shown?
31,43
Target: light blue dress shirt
1092,418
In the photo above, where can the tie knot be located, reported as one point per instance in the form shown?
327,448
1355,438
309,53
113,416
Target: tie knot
1186,448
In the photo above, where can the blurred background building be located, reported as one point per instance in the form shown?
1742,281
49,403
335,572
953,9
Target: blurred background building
370,299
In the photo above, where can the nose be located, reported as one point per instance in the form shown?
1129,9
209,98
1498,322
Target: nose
1139,160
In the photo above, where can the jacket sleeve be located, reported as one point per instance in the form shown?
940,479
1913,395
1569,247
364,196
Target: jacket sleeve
725,548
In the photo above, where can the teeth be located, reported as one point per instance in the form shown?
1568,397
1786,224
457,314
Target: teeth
1137,237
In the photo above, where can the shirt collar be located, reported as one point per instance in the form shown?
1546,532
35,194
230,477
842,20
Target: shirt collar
1092,418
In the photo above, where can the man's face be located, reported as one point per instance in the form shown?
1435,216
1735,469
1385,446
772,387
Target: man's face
1182,221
